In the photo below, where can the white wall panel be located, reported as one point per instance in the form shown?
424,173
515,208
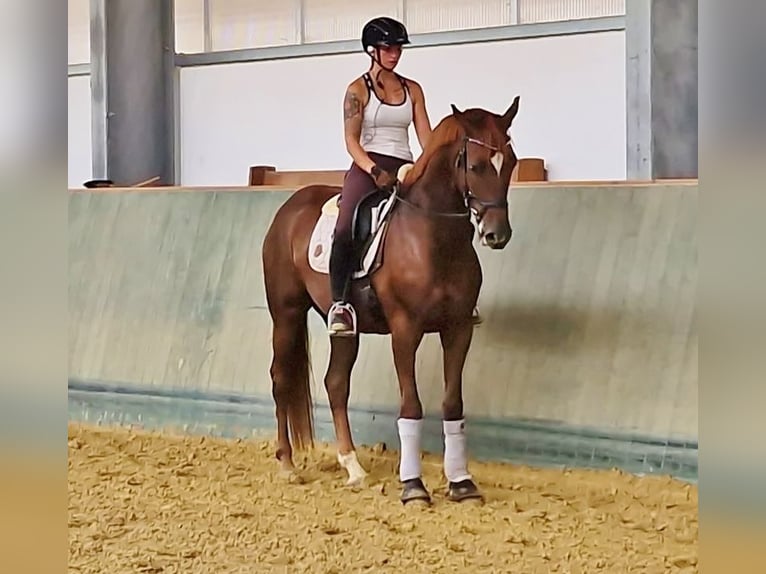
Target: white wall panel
531,11
189,16
328,20
239,24
438,15
78,31
288,113
80,165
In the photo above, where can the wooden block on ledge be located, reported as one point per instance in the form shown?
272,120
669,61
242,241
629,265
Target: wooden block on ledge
258,174
530,169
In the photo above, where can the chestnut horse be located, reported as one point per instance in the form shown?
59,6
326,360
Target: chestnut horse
427,280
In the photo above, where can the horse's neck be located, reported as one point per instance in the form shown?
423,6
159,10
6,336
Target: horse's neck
436,190
440,214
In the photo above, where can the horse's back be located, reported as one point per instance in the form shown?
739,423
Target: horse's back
315,193
294,220
308,198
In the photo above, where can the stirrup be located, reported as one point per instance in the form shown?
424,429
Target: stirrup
332,329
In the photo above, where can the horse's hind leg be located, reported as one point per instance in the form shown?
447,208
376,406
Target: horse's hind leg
290,383
288,302
343,354
456,340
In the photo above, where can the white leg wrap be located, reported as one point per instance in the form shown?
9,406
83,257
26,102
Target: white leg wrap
409,438
455,457
355,471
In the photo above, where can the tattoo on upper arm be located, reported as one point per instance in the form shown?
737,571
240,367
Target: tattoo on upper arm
352,107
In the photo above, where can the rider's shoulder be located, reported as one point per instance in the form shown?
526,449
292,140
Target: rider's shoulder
412,84
357,85
357,90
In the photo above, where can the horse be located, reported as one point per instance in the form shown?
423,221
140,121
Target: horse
418,273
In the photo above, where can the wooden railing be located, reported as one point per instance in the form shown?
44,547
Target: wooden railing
527,170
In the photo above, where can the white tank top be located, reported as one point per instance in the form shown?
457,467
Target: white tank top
385,127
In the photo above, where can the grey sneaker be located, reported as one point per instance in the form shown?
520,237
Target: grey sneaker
341,320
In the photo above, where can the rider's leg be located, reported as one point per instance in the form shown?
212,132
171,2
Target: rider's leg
340,319
341,265
356,186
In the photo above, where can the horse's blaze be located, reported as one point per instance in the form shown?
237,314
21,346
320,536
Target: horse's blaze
497,161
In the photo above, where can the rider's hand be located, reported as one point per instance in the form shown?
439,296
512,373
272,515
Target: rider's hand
384,180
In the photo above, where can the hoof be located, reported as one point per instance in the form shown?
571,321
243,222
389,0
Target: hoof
290,476
414,490
356,481
464,490
356,474
287,473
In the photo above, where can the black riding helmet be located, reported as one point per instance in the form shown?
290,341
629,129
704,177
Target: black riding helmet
383,31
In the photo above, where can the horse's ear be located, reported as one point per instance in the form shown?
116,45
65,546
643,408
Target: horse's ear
507,119
455,111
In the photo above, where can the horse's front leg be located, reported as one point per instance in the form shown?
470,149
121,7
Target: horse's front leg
456,340
405,340
343,354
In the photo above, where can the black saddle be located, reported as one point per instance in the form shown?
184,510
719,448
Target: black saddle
361,228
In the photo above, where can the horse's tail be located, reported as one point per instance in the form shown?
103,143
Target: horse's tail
300,413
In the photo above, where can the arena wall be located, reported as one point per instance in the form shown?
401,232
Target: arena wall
288,113
588,352
589,312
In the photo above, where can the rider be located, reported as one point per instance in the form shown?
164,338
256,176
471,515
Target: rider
378,109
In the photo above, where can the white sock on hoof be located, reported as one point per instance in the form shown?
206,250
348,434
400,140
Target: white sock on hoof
409,439
455,461
350,462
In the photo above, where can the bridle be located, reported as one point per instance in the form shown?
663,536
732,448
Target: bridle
467,195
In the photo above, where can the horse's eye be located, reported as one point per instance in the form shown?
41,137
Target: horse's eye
477,167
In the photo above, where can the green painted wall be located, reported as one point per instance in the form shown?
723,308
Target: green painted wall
589,312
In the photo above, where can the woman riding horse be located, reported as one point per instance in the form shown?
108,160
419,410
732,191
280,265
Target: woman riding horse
429,284
378,109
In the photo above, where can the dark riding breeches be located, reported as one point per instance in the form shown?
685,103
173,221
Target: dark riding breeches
356,186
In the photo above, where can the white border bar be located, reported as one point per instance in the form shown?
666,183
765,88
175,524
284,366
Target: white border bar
493,34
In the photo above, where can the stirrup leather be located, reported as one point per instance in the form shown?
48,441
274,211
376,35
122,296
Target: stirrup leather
346,307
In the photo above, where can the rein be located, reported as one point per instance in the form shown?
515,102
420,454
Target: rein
466,213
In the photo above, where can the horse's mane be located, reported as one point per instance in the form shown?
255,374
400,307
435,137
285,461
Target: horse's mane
446,132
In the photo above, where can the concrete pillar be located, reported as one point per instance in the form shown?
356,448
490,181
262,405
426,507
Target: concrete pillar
133,89
661,83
